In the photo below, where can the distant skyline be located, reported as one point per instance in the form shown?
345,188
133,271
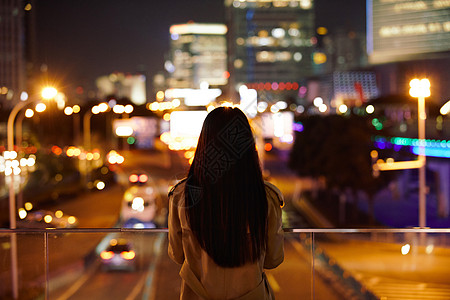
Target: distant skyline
80,40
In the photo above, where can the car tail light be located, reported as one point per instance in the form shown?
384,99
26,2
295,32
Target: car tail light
128,255
133,178
143,178
106,255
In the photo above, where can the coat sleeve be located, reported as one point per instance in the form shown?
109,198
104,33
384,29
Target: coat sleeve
275,233
175,249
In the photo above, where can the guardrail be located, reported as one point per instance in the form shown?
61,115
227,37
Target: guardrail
319,264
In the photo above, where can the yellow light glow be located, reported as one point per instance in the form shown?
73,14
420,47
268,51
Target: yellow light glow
28,206
405,249
343,108
89,156
189,154
323,108
193,28
124,131
28,7
118,109
40,107
374,154
103,107
129,108
22,213
419,88
68,110
48,219
76,109
319,58
370,109
176,102
49,92
100,185
59,214
76,152
154,106
96,156
166,117
29,113
71,220
160,96
445,109
95,110
322,30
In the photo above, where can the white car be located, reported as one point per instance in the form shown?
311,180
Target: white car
139,207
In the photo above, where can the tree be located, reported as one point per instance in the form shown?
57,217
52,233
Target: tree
338,148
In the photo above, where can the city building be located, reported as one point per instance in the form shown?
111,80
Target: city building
123,86
408,39
197,55
16,48
270,46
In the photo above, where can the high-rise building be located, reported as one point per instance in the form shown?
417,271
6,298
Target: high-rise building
270,45
407,39
15,16
123,86
197,54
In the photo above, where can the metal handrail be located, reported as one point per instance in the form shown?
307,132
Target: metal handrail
165,230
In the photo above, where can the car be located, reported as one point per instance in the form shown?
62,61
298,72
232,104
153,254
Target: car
119,255
46,219
139,206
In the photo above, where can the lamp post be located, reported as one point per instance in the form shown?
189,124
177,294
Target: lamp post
421,89
47,93
100,108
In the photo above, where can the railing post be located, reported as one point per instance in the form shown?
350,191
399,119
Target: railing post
46,264
312,267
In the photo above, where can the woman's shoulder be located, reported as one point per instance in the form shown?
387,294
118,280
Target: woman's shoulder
177,188
274,193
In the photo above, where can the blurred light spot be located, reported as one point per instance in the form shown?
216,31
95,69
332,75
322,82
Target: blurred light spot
76,109
322,30
68,110
129,108
343,108
29,113
48,219
71,220
370,109
58,214
40,107
22,213
166,117
267,147
318,101
405,249
28,206
100,185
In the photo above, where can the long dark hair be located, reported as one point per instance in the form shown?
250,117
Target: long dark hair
225,193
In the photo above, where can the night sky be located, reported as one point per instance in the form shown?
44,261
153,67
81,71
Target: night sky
80,40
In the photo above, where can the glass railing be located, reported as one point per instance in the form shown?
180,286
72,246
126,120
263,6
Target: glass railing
133,264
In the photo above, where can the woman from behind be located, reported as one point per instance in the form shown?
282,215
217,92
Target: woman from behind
224,220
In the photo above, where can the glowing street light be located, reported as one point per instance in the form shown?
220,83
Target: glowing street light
420,89
49,93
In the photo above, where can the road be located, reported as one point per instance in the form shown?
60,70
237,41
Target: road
75,271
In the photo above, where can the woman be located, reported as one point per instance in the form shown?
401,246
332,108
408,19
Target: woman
224,220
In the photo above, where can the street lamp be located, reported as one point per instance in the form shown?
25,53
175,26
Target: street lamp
421,89
47,93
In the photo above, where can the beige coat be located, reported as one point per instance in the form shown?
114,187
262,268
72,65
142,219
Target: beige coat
219,282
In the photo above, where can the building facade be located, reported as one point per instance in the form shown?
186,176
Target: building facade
197,54
270,45
13,50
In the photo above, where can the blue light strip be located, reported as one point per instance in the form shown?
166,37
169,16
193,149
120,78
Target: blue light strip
434,148
435,152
